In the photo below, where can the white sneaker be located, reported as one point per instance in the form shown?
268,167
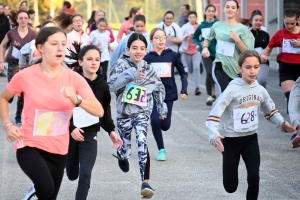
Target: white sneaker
30,194
209,101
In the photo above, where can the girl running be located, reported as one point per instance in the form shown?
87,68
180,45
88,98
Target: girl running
233,121
17,37
199,36
101,39
232,38
164,61
42,141
190,55
139,23
262,39
135,84
83,140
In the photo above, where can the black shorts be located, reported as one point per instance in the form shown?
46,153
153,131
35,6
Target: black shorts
288,71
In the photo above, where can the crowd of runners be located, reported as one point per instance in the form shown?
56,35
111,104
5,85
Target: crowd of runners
63,74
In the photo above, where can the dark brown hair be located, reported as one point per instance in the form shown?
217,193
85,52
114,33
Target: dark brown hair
237,3
14,16
247,54
291,12
154,31
132,11
63,20
209,6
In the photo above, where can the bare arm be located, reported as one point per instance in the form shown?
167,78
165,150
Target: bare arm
4,112
205,43
2,52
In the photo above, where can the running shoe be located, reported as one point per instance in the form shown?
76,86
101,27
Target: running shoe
197,91
209,101
18,120
2,74
123,163
295,141
214,97
30,194
147,191
162,155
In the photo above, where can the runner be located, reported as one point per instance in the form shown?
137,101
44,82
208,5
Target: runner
183,18
5,27
232,39
17,37
199,36
42,141
190,55
233,121
139,23
135,84
101,39
288,39
90,22
164,58
63,20
128,24
262,39
83,141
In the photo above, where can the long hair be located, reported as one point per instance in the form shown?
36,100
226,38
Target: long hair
63,20
14,16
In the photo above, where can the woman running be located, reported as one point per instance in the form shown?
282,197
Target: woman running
262,39
190,55
232,38
173,31
233,121
17,37
199,36
83,140
42,141
135,84
164,61
139,23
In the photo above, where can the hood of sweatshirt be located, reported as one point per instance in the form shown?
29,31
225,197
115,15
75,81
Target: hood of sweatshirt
241,82
206,22
164,52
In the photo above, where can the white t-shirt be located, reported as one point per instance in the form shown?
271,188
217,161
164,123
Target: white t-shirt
97,37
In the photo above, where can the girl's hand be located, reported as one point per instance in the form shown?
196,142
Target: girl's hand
69,92
2,66
183,96
99,44
76,134
264,58
219,145
234,36
288,128
296,43
162,118
205,52
117,141
13,133
142,75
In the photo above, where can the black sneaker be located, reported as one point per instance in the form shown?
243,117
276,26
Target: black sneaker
30,194
147,191
2,74
123,163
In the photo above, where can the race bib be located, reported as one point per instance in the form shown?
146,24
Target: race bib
15,53
225,48
162,69
81,118
245,118
51,123
135,94
205,32
288,48
259,50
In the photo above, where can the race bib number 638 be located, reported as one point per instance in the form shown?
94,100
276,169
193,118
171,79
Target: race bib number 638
245,118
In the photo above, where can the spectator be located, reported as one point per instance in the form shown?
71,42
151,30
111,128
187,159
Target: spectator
185,9
6,10
24,6
67,8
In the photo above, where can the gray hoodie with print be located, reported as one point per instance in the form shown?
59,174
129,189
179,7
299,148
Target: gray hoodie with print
240,95
125,72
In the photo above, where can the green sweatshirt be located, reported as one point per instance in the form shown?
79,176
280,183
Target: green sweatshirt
227,51
201,33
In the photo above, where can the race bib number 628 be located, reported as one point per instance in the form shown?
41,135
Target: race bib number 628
135,94
245,118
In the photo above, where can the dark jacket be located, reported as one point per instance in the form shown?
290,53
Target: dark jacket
262,39
4,26
102,93
169,82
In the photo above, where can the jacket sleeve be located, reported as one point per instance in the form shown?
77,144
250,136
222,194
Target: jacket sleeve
213,120
117,53
111,35
107,123
271,113
159,94
183,76
119,77
248,39
71,127
120,33
294,104
196,36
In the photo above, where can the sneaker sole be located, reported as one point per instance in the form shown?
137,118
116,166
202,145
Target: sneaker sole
197,93
162,159
296,142
209,103
147,193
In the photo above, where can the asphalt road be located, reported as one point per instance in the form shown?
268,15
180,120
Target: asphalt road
193,170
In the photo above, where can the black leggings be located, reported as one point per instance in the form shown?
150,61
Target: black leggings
80,162
209,82
220,77
104,66
45,170
248,148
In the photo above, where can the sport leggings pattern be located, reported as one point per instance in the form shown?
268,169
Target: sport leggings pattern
140,124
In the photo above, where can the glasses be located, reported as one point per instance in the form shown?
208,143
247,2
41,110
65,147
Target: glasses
77,21
160,37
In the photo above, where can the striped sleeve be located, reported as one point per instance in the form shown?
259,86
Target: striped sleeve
213,118
271,114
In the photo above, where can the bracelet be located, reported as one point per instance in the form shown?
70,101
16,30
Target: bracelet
6,125
204,47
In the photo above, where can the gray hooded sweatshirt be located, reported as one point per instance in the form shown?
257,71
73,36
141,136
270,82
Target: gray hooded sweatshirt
229,116
126,72
294,104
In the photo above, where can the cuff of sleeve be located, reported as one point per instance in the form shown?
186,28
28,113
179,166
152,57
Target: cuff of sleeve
296,123
213,139
184,91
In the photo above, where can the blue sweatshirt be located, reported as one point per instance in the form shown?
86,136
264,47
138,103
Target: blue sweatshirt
121,48
198,37
169,82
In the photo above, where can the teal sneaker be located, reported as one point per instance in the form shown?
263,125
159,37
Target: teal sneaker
162,155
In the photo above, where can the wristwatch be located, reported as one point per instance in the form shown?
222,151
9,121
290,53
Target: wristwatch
79,100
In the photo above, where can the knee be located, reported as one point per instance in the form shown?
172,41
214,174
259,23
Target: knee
155,121
72,176
45,190
166,126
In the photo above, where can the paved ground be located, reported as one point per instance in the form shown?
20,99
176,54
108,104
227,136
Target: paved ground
193,170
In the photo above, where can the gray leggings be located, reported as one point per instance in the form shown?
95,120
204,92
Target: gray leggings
192,61
263,75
